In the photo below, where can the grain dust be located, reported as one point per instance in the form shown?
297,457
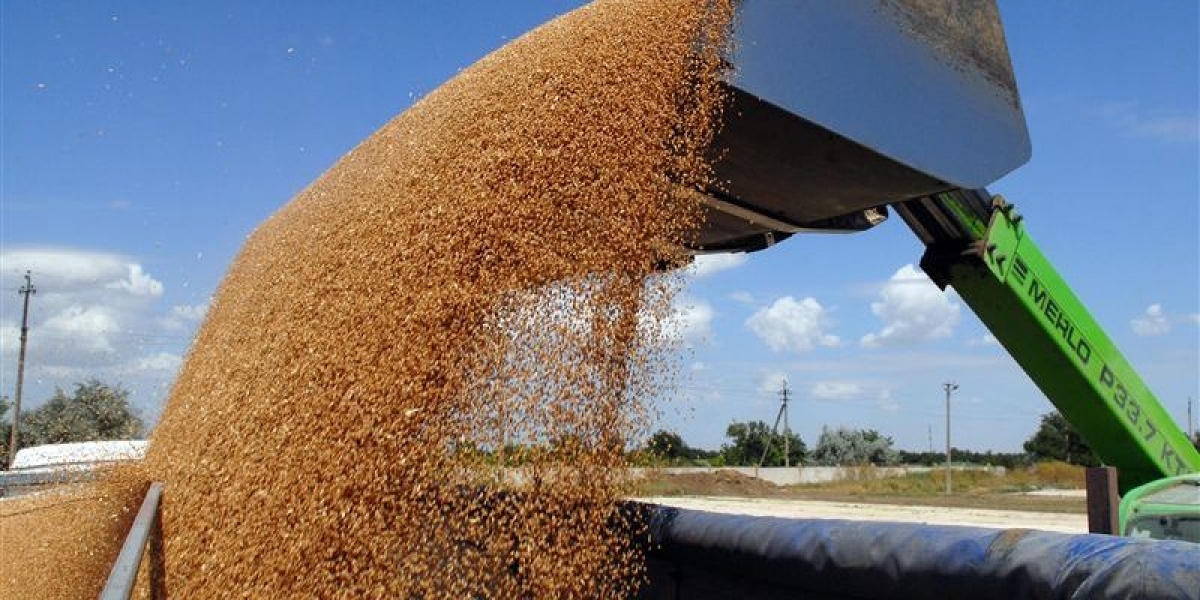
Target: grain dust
419,378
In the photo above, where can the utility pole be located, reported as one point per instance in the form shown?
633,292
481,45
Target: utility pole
782,414
931,438
949,386
1191,422
787,449
26,290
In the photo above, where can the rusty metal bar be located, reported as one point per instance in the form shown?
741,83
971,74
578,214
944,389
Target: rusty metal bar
146,531
1102,500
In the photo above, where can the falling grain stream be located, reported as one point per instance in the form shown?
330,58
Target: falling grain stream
420,376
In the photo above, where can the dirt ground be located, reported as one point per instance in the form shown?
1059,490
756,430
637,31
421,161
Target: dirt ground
731,492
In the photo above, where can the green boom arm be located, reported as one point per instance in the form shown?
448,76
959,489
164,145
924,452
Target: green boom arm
981,248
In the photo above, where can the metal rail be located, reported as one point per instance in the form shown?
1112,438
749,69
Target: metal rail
144,535
15,483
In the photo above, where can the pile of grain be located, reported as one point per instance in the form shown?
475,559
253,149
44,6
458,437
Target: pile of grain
61,543
420,376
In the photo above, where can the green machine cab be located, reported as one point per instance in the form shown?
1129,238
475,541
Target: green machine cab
1165,509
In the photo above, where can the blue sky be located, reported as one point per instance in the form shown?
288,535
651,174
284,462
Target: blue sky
142,143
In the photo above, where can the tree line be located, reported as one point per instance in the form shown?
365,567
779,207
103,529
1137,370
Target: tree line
753,443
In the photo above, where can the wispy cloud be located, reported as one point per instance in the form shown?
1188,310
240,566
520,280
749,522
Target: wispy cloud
742,297
836,390
1135,121
886,403
875,393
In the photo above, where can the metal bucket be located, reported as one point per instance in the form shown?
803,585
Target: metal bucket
840,107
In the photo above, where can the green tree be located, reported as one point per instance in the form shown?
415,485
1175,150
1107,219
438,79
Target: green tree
5,429
1008,460
666,445
748,440
95,411
847,447
1056,439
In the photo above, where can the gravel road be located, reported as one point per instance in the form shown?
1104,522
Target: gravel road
812,509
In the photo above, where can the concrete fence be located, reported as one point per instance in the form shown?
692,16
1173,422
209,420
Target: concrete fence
806,474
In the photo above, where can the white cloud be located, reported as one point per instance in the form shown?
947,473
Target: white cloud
791,324
63,269
705,265
86,328
85,302
67,276
139,282
913,310
835,390
1153,322
1193,318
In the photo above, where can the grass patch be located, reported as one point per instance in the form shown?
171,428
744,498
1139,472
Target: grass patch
871,481
971,488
